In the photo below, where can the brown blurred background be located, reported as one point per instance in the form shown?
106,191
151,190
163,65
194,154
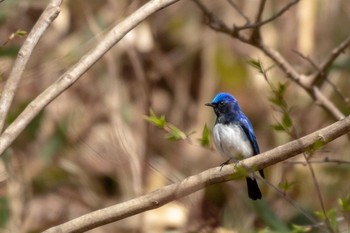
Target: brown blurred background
92,148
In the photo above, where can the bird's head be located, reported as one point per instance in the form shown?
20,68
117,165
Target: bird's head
224,103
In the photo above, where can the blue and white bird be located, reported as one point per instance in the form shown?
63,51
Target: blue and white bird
234,136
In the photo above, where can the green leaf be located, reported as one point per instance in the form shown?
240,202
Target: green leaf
278,127
286,120
4,211
278,96
300,229
21,33
9,51
269,217
315,146
344,203
175,133
205,139
256,64
332,217
285,185
160,122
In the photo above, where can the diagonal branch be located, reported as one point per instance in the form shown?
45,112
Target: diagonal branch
218,25
47,17
234,5
75,72
321,73
272,18
194,183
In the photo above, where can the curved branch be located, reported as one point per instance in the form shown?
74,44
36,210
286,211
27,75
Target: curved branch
74,73
194,183
47,17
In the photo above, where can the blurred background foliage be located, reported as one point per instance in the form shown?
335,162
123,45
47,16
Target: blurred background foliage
93,147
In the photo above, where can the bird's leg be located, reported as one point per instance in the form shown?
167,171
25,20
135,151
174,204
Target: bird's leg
225,163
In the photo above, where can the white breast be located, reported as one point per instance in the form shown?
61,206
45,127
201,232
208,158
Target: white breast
231,141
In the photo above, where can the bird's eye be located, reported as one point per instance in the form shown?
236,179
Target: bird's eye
221,103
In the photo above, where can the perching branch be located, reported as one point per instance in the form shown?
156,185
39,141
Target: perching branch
194,183
75,72
47,17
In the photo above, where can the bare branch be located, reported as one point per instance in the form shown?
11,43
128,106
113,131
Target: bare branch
322,71
326,103
256,35
260,11
266,21
233,4
47,17
74,73
308,59
321,161
214,22
314,92
194,183
218,25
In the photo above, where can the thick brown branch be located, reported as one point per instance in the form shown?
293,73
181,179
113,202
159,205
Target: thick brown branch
46,18
194,183
74,73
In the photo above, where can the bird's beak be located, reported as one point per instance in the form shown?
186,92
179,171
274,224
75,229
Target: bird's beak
209,104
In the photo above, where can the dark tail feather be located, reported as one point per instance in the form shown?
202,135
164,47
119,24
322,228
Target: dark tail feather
253,189
262,173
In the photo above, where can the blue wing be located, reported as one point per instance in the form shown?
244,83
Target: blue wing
248,129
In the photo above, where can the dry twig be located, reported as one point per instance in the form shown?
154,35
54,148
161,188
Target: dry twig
74,73
47,17
302,80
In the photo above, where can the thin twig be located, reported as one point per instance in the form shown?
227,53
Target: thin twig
318,192
337,91
194,183
295,205
260,11
218,25
324,67
317,68
323,161
47,17
308,59
75,72
256,35
234,5
214,22
266,21
293,134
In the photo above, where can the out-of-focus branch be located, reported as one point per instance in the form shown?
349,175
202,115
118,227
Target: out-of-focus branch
194,183
234,5
47,17
217,24
326,160
74,73
321,73
260,23
256,35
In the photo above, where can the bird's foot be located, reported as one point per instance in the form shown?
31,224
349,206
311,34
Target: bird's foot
225,163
